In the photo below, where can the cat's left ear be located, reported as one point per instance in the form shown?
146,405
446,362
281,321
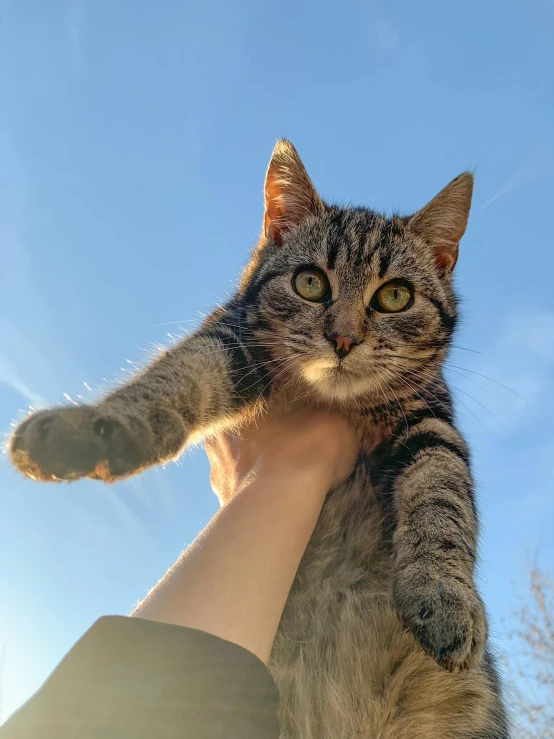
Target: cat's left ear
289,193
443,221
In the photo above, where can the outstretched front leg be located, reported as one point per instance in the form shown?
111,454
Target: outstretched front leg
208,378
427,482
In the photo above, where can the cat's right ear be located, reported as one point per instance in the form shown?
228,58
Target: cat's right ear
289,193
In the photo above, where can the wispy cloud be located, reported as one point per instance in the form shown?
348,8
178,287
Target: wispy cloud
538,163
9,375
27,330
18,360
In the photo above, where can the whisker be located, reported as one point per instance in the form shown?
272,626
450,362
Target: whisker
259,365
411,387
283,362
169,323
402,409
435,384
459,389
478,384
481,404
450,365
465,349
388,402
237,345
485,377
461,402
311,389
273,379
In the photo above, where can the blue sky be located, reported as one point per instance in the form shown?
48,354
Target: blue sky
133,144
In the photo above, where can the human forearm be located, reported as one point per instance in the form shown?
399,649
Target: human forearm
235,578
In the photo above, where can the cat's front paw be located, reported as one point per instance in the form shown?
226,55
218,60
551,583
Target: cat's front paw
446,616
71,443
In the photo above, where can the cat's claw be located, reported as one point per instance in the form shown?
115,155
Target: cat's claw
66,444
446,617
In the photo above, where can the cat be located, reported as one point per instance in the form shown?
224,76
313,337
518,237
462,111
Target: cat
384,635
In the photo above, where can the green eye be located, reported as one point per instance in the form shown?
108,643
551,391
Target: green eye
311,284
393,297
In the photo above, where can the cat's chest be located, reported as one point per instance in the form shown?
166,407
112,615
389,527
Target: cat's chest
349,542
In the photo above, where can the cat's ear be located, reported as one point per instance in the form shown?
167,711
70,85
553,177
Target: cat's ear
443,221
289,193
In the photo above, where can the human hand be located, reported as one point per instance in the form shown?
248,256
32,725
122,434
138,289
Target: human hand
308,441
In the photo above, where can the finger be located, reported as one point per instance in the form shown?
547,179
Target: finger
216,445
210,446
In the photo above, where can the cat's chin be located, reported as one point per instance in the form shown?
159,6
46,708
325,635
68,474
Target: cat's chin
343,390
333,381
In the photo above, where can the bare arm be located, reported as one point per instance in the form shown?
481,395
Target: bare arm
232,584
235,578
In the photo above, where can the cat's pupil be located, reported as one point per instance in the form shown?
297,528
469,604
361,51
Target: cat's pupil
310,285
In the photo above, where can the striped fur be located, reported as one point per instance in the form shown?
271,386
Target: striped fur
384,635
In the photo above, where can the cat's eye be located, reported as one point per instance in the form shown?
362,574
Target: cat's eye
311,284
393,297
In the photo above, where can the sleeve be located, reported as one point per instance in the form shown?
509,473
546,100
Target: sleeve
128,678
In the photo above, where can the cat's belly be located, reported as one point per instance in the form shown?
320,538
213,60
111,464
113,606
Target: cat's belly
345,667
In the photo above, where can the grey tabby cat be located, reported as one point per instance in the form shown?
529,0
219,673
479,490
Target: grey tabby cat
384,635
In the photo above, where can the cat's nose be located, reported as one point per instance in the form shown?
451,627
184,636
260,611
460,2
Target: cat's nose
343,344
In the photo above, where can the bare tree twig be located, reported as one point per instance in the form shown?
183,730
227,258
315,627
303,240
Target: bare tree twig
531,662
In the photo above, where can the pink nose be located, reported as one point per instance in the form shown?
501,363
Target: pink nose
342,344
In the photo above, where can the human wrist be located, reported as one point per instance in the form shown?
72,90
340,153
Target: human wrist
313,475
302,454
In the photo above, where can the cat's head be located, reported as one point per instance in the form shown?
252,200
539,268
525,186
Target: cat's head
353,302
